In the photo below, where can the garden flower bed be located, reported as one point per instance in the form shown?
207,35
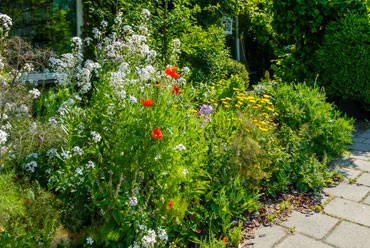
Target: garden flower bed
126,152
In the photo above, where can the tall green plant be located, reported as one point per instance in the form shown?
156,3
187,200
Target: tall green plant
302,24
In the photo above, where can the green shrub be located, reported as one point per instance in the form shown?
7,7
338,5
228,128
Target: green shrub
311,132
205,52
302,27
343,61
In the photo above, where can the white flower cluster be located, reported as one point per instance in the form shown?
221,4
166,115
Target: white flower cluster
35,93
5,24
31,166
180,147
28,67
3,137
96,136
151,238
77,151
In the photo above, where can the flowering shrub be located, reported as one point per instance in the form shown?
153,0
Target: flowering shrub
144,160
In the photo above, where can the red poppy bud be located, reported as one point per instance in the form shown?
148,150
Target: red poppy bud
157,133
224,239
170,204
147,103
175,90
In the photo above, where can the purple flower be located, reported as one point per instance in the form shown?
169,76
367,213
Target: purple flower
132,201
205,110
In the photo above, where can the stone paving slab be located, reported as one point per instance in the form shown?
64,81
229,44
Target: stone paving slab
266,237
350,210
347,235
364,179
351,163
349,173
316,226
299,241
360,155
348,191
367,200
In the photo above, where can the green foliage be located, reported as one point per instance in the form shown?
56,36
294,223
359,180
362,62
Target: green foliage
311,132
10,202
344,59
302,24
143,158
204,51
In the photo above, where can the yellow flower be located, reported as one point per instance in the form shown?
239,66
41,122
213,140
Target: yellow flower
266,96
194,111
263,129
252,101
228,98
227,106
235,89
216,104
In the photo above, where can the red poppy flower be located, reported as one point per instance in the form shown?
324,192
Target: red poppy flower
175,90
224,239
171,71
157,133
147,103
170,204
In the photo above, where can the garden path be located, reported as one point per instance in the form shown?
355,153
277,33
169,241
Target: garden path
345,220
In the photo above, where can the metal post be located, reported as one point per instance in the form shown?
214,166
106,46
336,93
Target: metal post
79,13
237,42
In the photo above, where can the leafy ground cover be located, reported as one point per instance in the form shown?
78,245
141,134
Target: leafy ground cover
126,151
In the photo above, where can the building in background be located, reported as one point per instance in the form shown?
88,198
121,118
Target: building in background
45,23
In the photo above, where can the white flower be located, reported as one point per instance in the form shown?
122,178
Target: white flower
3,137
5,23
5,116
186,70
145,13
162,235
180,147
31,166
52,121
64,154
185,172
89,241
28,67
146,73
95,136
132,99
6,126
32,155
51,153
176,43
132,201
150,239
79,171
90,165
104,24
77,151
35,93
